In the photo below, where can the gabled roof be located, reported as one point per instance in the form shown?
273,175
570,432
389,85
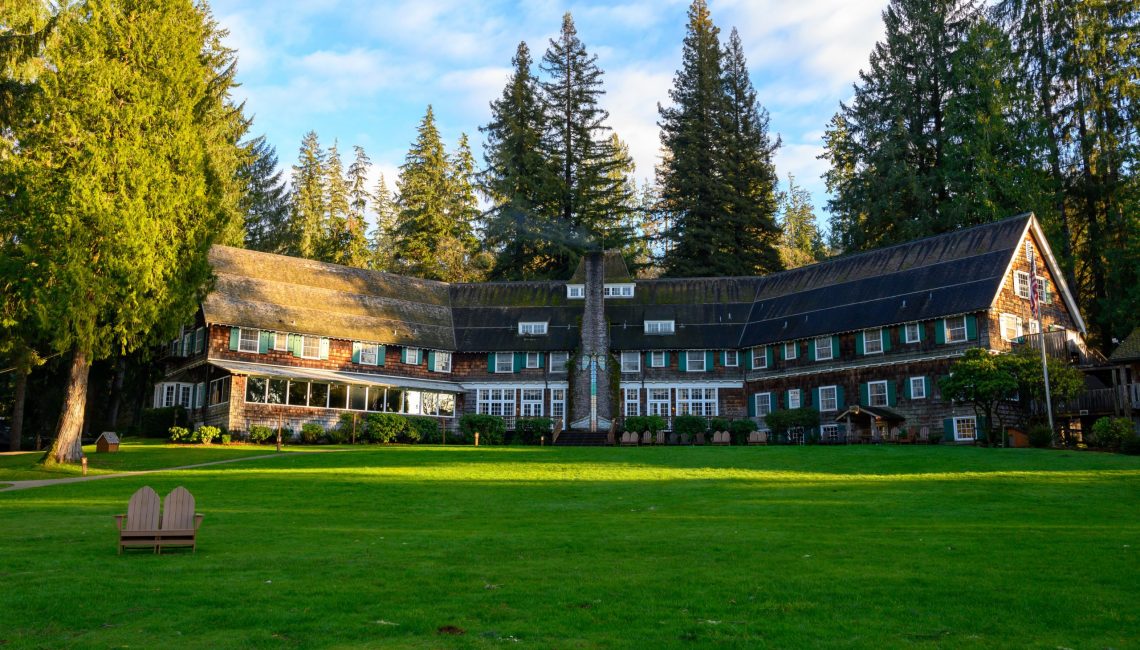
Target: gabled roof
486,316
614,270
275,292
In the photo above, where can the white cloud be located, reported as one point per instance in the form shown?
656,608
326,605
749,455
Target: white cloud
632,97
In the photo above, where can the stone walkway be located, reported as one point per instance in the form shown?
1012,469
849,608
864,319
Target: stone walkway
25,485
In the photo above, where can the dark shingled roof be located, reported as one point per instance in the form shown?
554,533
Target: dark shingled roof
487,315
1129,350
275,292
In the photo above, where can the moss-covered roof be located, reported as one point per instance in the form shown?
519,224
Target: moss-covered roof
614,270
1128,350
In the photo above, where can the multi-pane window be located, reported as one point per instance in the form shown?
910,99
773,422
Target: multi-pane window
630,361
658,327
828,398
532,328
1021,284
412,356
695,360
657,402
657,359
760,358
504,362
187,343
794,398
1012,327
791,350
618,291
247,340
763,404
731,358
281,341
531,404
311,347
873,341
829,432
558,361
697,401
557,403
219,391
496,401
913,333
823,350
918,388
199,340
956,329
632,402
199,394
965,428
877,393
185,393
1043,290
442,362
533,359
369,354
575,291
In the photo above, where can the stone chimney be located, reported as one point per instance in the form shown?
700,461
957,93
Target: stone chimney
592,403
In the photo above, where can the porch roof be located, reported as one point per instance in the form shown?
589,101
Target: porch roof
333,376
878,412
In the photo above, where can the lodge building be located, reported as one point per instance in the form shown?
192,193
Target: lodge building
863,338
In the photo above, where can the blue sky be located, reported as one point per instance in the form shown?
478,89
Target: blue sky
362,72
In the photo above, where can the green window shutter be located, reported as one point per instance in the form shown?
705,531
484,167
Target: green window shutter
892,393
864,394
490,362
921,332
768,352
781,355
773,402
902,333
294,342
710,357
926,384
648,359
806,398
835,348
520,361
940,331
683,361
906,389
748,359
859,343
811,350
380,352
431,360
541,360
724,358
324,348
886,334
971,327
666,358
787,400
235,337
403,355
839,403
356,351
263,342
751,406
948,429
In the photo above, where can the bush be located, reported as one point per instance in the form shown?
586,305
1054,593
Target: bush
936,438
336,436
179,434
1040,436
260,434
719,424
650,423
530,430
780,422
206,435
156,423
1130,445
226,438
426,428
740,430
491,428
346,425
384,427
689,424
1109,433
311,433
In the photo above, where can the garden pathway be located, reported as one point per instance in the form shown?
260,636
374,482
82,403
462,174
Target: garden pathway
24,485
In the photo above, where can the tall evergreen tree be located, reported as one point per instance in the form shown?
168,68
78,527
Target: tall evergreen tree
307,217
122,199
800,240
383,236
265,202
334,239
356,252
518,181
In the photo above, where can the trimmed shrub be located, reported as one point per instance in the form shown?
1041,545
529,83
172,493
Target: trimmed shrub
1040,436
156,423
689,424
780,422
180,434
719,424
529,430
491,428
384,427
1109,433
740,430
311,433
226,438
334,435
639,423
345,428
426,429
1130,445
206,435
259,434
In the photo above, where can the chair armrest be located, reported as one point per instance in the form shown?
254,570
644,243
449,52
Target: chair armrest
198,521
119,521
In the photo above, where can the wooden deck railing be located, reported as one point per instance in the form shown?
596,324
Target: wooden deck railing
1058,345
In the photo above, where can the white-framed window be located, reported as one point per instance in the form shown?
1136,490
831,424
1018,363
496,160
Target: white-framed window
185,393
630,361
763,404
199,394
956,329
533,359
823,348
918,387
248,340
695,360
873,341
1012,327
557,403
1021,284
281,341
310,347
617,291
199,340
1034,327
442,361
659,327
504,362
828,398
1043,293
731,358
495,401
657,359
559,361
531,403
877,393
760,358
632,402
829,432
169,394
697,401
791,350
187,343
412,356
369,354
575,291
913,333
657,402
794,398
965,428
532,328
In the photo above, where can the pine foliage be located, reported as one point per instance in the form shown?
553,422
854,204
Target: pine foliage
265,202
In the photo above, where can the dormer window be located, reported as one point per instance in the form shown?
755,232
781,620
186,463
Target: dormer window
617,291
659,327
576,291
532,328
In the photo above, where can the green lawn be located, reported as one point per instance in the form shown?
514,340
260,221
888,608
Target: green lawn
579,548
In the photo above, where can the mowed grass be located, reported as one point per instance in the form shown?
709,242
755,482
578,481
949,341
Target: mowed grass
777,547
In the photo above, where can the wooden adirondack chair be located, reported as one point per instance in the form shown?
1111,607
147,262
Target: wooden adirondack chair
179,521
660,438
139,527
646,438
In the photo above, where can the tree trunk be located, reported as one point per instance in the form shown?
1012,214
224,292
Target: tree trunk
68,447
116,394
18,408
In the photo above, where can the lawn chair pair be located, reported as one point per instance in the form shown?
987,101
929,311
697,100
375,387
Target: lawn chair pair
758,438
722,438
629,438
142,527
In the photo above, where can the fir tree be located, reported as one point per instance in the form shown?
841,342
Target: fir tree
307,217
383,236
266,199
334,239
800,240
356,251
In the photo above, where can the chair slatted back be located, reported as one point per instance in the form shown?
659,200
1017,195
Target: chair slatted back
142,510
646,438
179,512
